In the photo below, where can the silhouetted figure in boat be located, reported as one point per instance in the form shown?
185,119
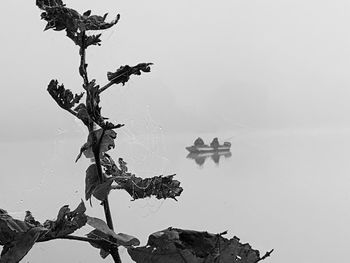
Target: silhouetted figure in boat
215,143
199,142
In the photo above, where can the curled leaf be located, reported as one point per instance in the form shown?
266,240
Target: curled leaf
161,187
64,97
42,4
122,75
178,246
67,221
106,139
59,17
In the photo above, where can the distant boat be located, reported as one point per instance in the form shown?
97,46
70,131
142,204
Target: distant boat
200,147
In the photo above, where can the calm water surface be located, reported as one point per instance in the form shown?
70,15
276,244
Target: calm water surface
283,190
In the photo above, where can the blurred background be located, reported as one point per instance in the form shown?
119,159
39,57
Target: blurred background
269,76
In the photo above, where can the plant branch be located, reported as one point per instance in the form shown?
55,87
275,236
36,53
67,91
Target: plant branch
96,145
102,89
71,237
83,65
267,254
107,210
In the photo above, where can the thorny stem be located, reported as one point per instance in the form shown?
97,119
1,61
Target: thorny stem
96,148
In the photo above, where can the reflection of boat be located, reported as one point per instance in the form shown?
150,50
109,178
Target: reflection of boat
200,158
200,147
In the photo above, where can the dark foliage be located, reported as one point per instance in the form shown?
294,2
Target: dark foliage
161,187
174,245
122,75
59,17
64,97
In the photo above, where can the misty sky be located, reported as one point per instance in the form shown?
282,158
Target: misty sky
219,65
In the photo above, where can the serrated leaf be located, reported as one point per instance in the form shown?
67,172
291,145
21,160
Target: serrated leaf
174,245
59,17
96,22
120,238
63,97
48,3
161,187
122,75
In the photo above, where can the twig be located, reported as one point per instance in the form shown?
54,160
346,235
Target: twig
267,254
105,87
71,237
83,65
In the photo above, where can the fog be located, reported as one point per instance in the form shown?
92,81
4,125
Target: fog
217,65
273,74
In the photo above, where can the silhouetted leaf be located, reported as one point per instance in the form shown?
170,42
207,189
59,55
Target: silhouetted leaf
83,114
59,17
109,165
17,236
177,246
91,180
42,4
64,97
106,143
96,22
93,40
161,187
120,239
14,251
122,75
101,191
10,227
29,219
104,242
67,221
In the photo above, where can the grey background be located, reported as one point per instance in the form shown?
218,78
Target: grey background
270,75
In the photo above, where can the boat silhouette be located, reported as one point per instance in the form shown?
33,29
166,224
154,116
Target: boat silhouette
200,147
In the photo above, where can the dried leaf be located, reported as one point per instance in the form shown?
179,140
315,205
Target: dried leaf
161,187
177,246
42,4
96,22
14,251
67,222
29,219
122,75
10,228
106,143
64,97
83,114
59,17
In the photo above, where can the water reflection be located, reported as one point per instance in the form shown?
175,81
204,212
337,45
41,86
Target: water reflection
200,158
